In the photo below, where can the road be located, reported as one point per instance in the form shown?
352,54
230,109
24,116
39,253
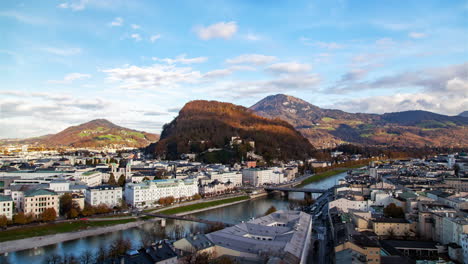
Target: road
321,249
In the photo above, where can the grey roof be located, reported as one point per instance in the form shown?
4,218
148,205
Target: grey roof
279,232
4,198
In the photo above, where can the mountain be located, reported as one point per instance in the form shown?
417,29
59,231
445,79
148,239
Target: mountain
95,134
202,126
463,114
328,127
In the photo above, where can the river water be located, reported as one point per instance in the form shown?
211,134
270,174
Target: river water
229,214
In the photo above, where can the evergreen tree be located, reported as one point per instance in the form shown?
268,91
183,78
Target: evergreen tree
121,181
111,180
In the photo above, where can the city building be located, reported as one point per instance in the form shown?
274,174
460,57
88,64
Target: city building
104,194
90,178
283,234
37,201
259,177
149,192
392,227
6,206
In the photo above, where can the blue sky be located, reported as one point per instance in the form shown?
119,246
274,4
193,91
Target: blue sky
136,62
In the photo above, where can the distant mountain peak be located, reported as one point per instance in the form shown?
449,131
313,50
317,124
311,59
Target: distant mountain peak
329,127
463,114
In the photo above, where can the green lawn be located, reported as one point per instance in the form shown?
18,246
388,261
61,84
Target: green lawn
321,176
51,229
324,175
198,206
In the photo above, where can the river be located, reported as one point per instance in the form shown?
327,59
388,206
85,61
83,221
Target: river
230,214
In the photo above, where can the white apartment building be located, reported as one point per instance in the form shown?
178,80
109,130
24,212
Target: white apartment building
59,185
345,204
6,206
104,194
90,178
144,193
259,177
234,177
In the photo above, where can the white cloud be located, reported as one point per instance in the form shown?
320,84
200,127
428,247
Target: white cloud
289,67
224,30
284,84
449,104
417,35
155,37
253,37
75,5
117,22
23,18
135,26
255,59
218,73
156,76
69,78
328,45
182,59
385,42
136,36
62,51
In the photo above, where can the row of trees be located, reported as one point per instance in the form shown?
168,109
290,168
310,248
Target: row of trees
21,218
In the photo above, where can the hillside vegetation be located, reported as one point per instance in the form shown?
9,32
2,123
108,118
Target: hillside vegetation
205,125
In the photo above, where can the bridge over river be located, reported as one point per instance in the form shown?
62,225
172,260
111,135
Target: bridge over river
286,190
186,218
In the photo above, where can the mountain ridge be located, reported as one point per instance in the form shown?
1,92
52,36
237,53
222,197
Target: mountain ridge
330,127
95,133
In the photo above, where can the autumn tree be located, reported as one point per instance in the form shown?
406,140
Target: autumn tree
196,197
3,221
88,210
48,215
20,218
392,210
270,210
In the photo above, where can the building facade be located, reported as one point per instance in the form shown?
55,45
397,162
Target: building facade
149,192
6,207
37,201
104,194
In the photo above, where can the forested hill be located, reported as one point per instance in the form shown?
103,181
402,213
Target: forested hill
203,125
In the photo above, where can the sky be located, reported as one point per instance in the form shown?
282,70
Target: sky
136,63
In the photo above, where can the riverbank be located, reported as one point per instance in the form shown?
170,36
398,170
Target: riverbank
37,236
326,174
45,240
204,206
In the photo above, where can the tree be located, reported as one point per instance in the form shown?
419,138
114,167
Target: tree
30,218
88,210
3,221
178,232
19,218
392,210
119,247
270,210
111,180
121,181
66,203
73,213
87,257
196,197
49,214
